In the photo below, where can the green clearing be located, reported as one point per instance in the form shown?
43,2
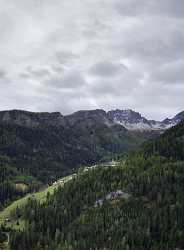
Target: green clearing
7,213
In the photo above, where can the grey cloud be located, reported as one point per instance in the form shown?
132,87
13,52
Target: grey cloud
57,68
146,42
24,75
2,74
65,57
42,72
121,85
171,8
149,7
132,7
32,72
95,29
107,69
4,78
170,73
70,80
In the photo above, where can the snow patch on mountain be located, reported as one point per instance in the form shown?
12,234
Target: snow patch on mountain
133,126
132,120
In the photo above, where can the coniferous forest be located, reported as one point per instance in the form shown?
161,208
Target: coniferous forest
138,204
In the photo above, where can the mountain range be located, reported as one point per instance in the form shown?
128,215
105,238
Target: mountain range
129,119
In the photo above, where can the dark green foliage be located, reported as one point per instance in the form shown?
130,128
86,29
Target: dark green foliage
151,218
170,144
9,177
3,237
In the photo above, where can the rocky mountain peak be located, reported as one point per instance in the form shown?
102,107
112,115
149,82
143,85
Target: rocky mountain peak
125,115
132,120
129,119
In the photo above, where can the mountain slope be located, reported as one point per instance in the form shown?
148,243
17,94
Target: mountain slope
48,145
169,145
45,146
136,205
49,152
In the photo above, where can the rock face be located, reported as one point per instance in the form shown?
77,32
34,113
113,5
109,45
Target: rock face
128,119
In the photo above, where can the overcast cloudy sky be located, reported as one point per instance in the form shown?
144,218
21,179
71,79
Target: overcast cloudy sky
66,55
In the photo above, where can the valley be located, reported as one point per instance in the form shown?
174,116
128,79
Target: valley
132,202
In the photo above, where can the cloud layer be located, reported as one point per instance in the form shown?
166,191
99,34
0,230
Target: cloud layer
69,55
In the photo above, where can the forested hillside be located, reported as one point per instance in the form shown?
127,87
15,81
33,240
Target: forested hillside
169,145
40,147
14,183
50,152
136,205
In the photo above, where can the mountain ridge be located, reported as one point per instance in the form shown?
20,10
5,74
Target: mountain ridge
129,119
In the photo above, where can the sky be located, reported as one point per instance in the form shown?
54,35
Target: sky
67,55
